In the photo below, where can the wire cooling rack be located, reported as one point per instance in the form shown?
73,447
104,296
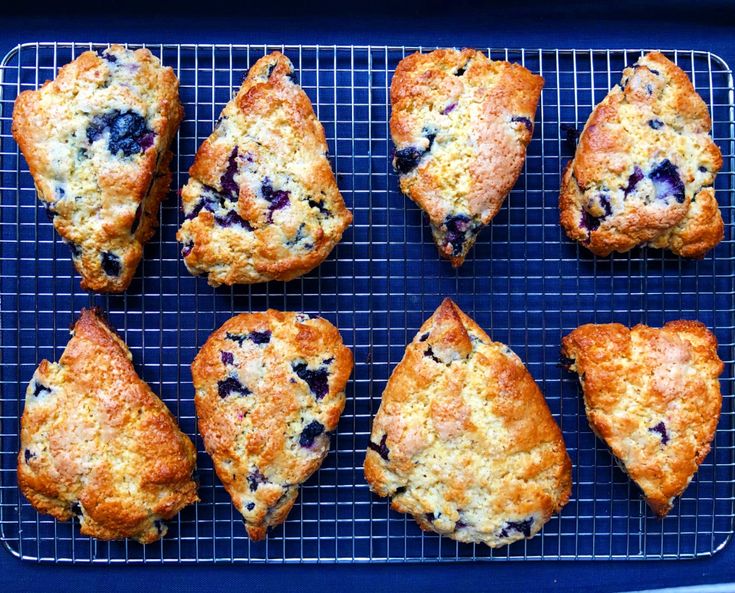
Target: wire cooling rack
524,282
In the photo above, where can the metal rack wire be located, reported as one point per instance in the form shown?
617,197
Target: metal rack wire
524,282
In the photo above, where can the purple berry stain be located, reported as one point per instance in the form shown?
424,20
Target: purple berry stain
523,527
227,357
255,479
316,379
227,181
231,385
667,181
382,448
523,120
458,229
28,455
310,433
633,180
449,108
111,263
660,429
655,124
128,132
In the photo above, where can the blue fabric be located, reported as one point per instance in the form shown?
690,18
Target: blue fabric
705,26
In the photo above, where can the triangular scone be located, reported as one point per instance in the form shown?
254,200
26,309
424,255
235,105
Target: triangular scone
262,202
96,442
461,124
464,440
653,396
97,144
269,388
644,169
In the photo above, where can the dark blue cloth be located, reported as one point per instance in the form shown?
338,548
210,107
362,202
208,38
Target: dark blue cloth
702,25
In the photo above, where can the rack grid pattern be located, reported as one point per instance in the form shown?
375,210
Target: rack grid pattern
524,282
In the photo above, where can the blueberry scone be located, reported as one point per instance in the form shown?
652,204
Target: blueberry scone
262,202
269,387
96,442
653,396
96,140
644,169
464,440
461,124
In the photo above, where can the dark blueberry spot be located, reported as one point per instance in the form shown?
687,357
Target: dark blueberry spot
459,229
227,357
449,108
652,71
400,490
633,180
268,72
160,526
227,181
407,159
424,337
461,70
649,89
232,218
703,169
231,385
460,524
430,137
28,455
111,263
76,509
60,192
320,206
76,251
186,249
255,479
523,527
660,428
524,120
571,135
667,181
136,218
128,132
382,448
277,199
656,124
147,141
107,56
39,389
310,432
565,362
430,517
250,506
604,200
316,379
258,337
589,222
430,352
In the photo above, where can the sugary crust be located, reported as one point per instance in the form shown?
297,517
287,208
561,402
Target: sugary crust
464,440
254,403
101,202
480,113
262,202
653,396
618,192
93,434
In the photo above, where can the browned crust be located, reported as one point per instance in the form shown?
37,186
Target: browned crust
634,379
33,127
292,127
488,96
258,430
438,417
617,136
104,440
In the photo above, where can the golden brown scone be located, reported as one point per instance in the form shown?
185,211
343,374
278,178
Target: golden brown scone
269,387
653,396
97,443
96,140
262,202
461,124
645,167
464,440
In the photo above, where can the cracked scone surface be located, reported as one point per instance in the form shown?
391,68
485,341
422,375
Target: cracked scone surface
464,440
262,202
653,396
98,444
96,140
460,123
645,167
269,387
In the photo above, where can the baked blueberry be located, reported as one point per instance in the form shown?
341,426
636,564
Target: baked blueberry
231,385
310,433
111,263
317,379
380,448
660,429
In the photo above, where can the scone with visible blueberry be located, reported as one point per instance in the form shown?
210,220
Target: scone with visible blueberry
269,387
653,396
262,202
644,169
461,124
96,442
96,140
464,440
